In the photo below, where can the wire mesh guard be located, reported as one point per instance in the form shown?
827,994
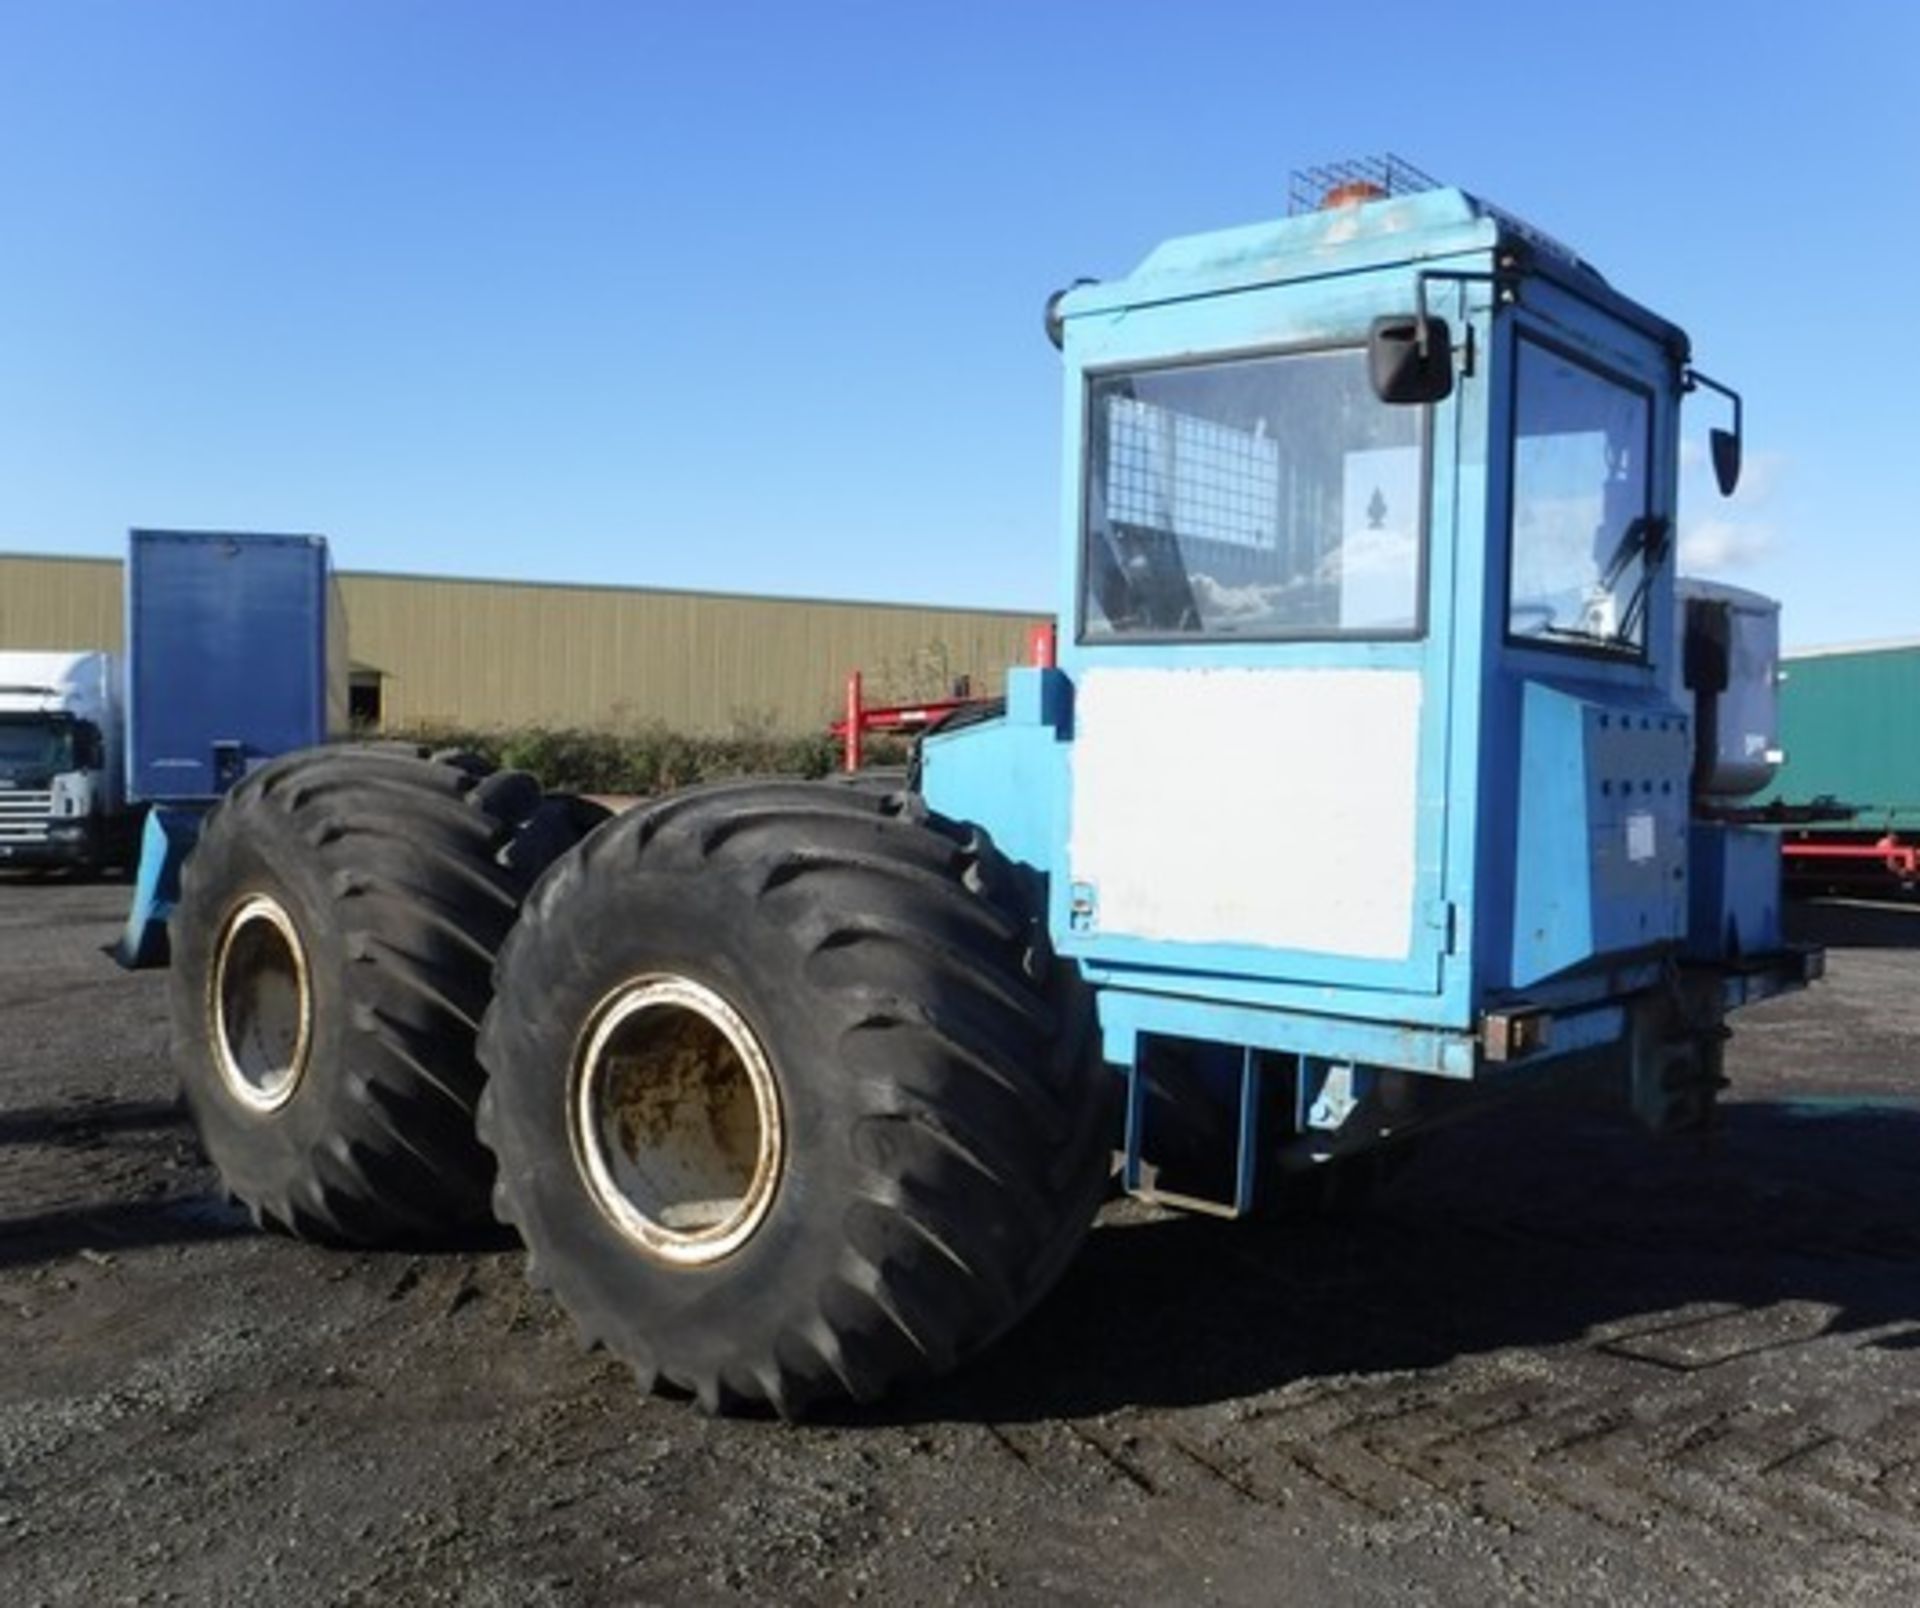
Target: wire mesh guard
1309,187
1190,477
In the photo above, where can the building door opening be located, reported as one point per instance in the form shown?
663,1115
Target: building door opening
363,699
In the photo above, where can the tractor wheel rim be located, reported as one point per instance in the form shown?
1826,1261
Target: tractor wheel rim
261,1004
675,1120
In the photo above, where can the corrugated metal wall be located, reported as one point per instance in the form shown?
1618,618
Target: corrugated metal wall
499,653
59,602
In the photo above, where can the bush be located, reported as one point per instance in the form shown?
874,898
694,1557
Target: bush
651,760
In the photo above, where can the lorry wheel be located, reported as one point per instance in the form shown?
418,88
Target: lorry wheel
332,957
790,1100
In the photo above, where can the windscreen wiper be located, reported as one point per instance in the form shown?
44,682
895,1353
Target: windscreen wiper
1572,633
1648,534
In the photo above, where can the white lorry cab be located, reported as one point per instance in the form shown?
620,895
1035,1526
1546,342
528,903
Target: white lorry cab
62,770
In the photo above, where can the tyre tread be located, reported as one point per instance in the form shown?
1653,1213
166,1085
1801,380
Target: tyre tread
1020,1129
422,898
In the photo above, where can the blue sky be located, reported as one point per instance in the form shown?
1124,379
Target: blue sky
748,296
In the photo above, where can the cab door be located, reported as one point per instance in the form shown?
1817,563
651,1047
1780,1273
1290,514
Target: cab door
1261,668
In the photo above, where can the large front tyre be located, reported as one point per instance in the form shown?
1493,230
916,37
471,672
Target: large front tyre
789,1100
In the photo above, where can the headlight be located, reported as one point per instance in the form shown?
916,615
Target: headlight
72,794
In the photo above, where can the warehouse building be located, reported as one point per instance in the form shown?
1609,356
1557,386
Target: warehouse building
442,651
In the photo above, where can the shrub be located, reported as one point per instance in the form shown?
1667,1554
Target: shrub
650,760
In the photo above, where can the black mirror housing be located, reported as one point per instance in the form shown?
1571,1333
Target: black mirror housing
1410,358
1723,446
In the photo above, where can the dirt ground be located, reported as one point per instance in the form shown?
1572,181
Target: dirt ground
1559,1362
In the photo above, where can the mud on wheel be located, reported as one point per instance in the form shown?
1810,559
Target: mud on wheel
332,958
789,1098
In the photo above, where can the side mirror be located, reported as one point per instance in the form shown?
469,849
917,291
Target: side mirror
1410,358
1723,446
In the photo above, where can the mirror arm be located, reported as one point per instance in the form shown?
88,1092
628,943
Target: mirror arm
1691,379
1458,276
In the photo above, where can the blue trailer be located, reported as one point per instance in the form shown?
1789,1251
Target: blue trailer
236,653
1368,784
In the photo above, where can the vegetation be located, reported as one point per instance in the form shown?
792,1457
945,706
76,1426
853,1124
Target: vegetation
651,759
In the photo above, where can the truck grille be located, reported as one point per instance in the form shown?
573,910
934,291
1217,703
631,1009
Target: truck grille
24,816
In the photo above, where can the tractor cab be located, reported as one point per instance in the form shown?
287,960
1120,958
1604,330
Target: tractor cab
1369,737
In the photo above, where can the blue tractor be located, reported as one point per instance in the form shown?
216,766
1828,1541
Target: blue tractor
1369,783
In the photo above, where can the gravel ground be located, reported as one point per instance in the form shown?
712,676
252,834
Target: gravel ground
1559,1362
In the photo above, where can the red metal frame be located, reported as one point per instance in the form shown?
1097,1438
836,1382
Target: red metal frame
890,719
1888,853
901,720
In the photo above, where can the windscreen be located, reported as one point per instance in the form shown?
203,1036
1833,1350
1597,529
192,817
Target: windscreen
32,747
1257,498
1581,489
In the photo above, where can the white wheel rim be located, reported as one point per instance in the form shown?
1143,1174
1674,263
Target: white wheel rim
260,1004
675,1120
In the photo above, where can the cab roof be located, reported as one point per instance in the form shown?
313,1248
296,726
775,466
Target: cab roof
1426,226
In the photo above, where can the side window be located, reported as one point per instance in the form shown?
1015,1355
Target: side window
1581,505
89,753
1260,498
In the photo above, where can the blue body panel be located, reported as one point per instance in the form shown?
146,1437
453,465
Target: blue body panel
1736,891
1008,774
236,653
1600,858
166,839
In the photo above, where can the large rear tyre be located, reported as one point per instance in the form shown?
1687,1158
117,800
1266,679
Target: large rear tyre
790,1101
333,952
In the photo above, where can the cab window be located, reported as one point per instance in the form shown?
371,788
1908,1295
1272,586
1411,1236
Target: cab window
1259,499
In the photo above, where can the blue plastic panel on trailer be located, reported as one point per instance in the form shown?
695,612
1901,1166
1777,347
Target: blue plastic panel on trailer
236,653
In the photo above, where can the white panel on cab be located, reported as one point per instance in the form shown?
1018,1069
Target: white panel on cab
1275,808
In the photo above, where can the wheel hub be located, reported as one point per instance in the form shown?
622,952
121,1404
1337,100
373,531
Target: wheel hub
261,1004
675,1120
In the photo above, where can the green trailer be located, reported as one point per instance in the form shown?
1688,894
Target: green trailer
1850,729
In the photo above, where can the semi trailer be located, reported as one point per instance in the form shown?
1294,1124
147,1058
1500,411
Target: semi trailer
1364,785
236,653
62,790
1849,786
